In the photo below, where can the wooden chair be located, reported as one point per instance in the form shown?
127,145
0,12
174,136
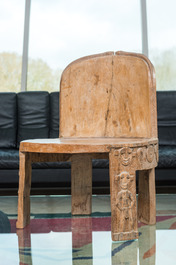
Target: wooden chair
107,110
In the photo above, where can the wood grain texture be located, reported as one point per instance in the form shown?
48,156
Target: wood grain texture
53,157
49,157
147,197
82,145
81,184
152,90
123,197
123,85
24,190
123,165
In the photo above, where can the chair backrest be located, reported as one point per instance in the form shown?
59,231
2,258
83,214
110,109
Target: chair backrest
108,95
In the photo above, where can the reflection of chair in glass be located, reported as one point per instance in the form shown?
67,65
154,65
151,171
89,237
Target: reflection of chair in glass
147,245
107,110
81,229
127,252
82,241
24,245
124,253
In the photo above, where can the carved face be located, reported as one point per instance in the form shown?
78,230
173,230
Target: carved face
150,153
126,156
124,178
140,153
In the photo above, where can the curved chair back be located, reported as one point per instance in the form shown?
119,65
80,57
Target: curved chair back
108,95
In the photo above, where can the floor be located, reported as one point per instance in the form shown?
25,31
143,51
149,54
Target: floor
55,237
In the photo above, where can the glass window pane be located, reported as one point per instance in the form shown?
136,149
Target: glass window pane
162,41
62,31
11,44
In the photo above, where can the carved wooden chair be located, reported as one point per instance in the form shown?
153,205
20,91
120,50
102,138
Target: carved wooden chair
107,110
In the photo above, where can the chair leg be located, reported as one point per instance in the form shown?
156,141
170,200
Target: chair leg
81,184
123,200
147,197
24,190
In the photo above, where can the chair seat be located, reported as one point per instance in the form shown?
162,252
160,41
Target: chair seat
83,145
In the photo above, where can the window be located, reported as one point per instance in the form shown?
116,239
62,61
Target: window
11,44
162,41
62,31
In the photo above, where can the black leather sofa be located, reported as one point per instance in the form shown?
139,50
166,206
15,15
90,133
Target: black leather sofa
29,115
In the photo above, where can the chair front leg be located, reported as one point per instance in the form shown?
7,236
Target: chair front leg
123,199
147,197
24,190
81,184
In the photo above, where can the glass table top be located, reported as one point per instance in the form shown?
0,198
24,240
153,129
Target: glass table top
65,240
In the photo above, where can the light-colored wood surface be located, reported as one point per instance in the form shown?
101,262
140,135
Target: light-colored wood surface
81,145
116,92
123,198
147,197
123,163
81,184
24,190
107,108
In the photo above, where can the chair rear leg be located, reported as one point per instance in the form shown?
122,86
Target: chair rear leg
24,190
81,184
147,197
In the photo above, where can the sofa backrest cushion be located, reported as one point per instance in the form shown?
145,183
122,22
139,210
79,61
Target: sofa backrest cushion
33,115
8,120
166,105
54,115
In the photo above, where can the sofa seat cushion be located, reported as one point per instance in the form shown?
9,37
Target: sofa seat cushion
167,157
52,165
9,158
100,163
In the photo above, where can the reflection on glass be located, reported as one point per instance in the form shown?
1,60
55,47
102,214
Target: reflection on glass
147,245
124,253
85,241
82,244
82,241
24,244
62,31
11,32
162,41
